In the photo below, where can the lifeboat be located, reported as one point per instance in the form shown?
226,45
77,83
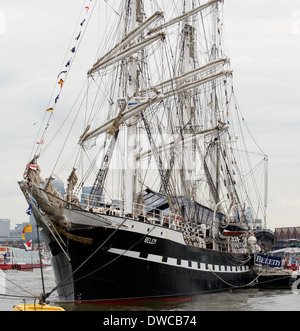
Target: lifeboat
234,230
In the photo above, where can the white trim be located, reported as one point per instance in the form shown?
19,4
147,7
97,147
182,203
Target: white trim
184,263
130,225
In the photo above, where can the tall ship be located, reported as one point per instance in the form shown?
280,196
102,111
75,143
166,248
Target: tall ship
158,143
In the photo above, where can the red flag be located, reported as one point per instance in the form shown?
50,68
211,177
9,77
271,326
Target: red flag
32,166
40,142
28,245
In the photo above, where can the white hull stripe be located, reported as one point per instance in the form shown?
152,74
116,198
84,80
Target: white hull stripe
191,265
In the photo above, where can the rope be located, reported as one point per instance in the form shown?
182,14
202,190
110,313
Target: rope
20,287
116,258
234,286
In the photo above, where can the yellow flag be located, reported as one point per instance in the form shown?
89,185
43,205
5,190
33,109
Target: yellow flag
27,228
50,110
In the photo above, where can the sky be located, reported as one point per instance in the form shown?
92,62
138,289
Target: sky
263,43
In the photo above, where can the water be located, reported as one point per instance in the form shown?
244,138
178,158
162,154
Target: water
22,283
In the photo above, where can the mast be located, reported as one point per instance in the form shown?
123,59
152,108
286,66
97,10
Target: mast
187,50
134,10
186,97
215,116
215,145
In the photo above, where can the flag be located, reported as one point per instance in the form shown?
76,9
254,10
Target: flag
28,211
82,22
77,38
56,99
87,8
61,82
68,64
50,110
73,50
32,166
62,72
40,142
28,245
238,216
27,228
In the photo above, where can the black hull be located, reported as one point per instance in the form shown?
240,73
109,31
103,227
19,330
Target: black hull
275,282
134,265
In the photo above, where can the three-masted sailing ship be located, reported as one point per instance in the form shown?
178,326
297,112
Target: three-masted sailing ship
162,163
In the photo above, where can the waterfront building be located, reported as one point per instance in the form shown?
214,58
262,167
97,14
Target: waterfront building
4,229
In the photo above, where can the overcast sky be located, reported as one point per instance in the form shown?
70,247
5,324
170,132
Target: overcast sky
263,42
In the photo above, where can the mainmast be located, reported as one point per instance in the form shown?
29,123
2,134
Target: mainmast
187,50
185,119
134,10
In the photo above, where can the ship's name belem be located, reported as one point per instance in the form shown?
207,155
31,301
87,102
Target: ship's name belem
150,241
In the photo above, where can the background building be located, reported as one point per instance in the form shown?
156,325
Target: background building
4,229
284,235
253,223
59,186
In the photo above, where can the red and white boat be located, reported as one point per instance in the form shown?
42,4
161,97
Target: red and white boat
12,258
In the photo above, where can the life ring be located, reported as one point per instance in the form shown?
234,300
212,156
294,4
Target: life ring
1,260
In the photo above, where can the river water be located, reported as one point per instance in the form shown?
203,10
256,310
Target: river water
20,283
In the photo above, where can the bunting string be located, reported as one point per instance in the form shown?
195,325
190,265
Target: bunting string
63,74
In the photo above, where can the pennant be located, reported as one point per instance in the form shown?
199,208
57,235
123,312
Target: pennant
50,110
32,167
56,99
87,8
238,216
73,50
28,245
63,72
27,229
61,82
28,211
68,64
40,142
77,38
82,22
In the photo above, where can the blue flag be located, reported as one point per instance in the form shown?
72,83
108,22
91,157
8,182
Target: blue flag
28,211
77,38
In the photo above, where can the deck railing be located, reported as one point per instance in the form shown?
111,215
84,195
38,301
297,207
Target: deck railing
139,212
